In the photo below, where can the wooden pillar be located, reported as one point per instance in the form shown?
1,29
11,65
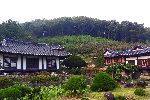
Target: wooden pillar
40,62
1,59
24,63
57,63
19,62
44,62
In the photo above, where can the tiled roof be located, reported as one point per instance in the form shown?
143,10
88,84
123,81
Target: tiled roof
131,52
32,48
110,53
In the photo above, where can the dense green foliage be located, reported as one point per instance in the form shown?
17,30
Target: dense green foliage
87,46
43,79
100,59
15,92
116,71
120,97
51,92
103,82
6,82
76,84
74,62
140,92
131,70
124,31
12,29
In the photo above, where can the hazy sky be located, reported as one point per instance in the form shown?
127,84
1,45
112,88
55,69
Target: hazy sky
120,10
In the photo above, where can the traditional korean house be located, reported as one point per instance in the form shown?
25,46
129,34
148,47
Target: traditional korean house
139,56
112,57
16,56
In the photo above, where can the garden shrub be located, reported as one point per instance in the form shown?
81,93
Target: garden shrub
51,92
85,98
140,92
23,89
6,82
118,77
14,92
120,97
103,82
76,84
43,79
74,62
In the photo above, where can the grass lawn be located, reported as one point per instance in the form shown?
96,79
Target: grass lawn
128,92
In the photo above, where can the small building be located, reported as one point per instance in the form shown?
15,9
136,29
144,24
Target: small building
138,55
112,57
18,56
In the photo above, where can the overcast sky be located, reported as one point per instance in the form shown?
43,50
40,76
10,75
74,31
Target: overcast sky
120,10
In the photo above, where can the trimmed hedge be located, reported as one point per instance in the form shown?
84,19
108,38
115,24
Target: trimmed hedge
14,92
76,84
43,79
103,82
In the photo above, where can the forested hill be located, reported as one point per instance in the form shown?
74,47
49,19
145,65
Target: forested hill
124,31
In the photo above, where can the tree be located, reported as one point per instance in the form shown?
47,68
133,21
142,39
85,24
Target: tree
131,70
74,62
100,59
11,29
115,69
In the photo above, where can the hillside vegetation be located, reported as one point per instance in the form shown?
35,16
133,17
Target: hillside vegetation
86,45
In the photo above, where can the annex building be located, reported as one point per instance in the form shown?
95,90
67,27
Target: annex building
138,55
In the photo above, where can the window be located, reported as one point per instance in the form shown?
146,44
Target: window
143,62
10,61
32,63
131,62
51,63
115,59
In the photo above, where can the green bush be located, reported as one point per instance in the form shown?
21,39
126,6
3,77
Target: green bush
103,82
14,92
76,84
74,62
6,82
51,92
85,98
43,79
140,92
120,97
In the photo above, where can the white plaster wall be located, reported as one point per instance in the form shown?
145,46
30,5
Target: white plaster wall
144,57
40,62
19,62
136,62
1,59
44,62
24,63
131,58
57,63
